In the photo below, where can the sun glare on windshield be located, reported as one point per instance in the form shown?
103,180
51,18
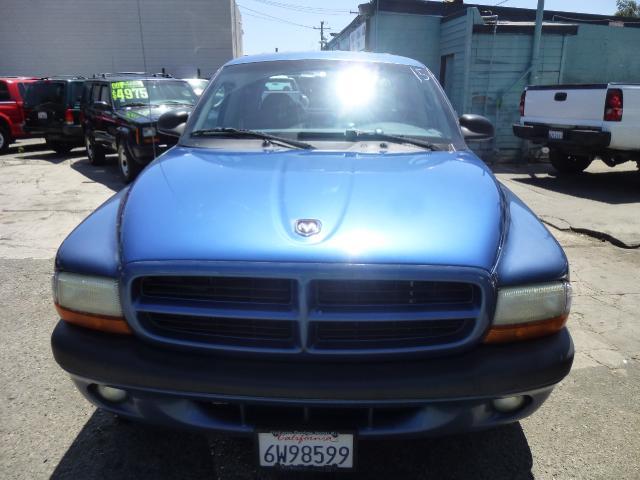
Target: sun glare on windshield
356,86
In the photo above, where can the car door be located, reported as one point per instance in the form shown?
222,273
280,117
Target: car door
109,119
101,114
8,106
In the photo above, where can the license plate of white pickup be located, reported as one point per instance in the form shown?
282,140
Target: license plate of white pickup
556,135
313,450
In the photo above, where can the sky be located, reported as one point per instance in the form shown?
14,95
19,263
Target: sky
262,33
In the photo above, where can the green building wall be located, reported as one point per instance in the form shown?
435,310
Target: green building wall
414,36
600,54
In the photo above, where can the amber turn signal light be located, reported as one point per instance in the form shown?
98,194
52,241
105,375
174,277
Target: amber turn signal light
525,331
96,322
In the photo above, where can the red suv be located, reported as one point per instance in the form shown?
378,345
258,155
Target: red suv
12,93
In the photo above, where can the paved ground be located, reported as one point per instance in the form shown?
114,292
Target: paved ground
601,203
590,427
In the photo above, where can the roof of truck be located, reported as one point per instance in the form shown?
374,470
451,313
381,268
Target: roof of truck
327,55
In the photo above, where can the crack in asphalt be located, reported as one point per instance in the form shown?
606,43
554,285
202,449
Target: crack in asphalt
592,233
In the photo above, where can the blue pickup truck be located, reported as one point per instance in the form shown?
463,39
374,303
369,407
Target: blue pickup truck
314,266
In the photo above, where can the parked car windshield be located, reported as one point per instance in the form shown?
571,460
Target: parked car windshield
198,84
154,92
323,99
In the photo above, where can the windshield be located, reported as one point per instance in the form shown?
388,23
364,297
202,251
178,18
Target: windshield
323,99
155,92
198,85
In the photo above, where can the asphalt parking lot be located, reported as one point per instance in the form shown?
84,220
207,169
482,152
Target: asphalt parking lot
589,428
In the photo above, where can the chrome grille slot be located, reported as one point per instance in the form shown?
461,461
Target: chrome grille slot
396,295
337,335
236,332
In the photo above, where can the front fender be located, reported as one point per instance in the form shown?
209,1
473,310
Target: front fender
93,246
530,253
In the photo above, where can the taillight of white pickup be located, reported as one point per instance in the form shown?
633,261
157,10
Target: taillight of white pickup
614,105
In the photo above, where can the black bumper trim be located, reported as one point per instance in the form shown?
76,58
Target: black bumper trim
484,372
573,136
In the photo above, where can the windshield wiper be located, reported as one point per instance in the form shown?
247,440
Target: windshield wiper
385,137
238,132
176,102
138,104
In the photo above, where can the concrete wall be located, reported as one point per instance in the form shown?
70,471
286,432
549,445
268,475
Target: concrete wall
48,37
603,54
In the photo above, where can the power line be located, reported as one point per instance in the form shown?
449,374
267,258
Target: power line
304,8
264,16
500,3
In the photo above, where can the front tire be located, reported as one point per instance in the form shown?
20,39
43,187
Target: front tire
95,153
569,164
5,139
129,168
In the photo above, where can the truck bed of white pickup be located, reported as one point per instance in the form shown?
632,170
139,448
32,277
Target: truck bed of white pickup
581,122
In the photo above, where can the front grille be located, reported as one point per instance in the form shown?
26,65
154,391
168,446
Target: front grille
222,331
337,335
332,317
231,290
330,295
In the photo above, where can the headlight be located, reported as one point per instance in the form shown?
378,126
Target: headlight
530,311
88,301
149,131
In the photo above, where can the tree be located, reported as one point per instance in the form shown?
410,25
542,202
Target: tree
628,8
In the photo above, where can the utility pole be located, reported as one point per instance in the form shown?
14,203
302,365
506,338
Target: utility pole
323,40
537,41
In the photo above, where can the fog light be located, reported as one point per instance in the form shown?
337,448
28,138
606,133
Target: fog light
111,394
508,404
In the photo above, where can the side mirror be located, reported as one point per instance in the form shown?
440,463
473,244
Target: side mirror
172,123
100,105
476,127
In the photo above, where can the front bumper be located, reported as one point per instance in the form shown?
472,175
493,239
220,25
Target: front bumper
572,137
409,397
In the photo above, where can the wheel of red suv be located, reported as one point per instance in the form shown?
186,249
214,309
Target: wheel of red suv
5,139
565,163
129,168
58,147
95,153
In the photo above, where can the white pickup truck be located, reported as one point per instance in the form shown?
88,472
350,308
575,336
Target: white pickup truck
581,122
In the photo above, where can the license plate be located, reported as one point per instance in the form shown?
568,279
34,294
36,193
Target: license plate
556,134
42,115
325,450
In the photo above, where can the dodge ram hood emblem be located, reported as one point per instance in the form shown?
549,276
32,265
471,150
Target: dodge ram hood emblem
308,227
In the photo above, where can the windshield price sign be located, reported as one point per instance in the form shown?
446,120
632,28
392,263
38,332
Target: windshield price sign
129,90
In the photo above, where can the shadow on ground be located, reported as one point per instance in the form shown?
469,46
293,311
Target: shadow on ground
109,448
613,186
106,174
43,153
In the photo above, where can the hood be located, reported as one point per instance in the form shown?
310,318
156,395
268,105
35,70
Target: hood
145,115
438,208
